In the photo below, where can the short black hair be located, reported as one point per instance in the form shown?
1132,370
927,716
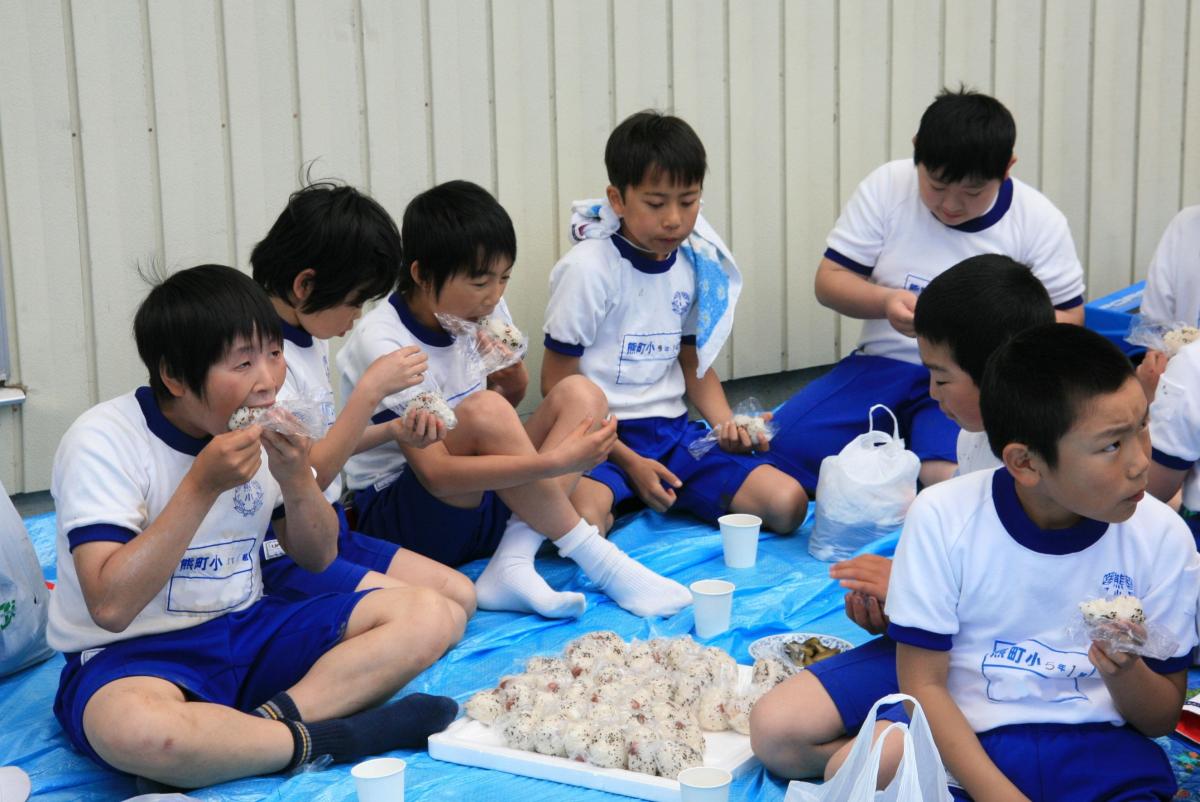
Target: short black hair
189,321
977,305
650,142
1037,384
346,237
965,134
454,228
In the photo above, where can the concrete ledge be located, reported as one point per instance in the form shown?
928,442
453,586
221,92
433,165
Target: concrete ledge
11,397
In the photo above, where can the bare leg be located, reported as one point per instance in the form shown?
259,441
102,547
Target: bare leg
570,401
773,496
594,502
795,728
409,568
936,470
889,760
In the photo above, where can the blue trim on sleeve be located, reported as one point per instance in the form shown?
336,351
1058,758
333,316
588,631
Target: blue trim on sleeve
277,513
560,347
384,416
99,532
847,262
1071,304
1170,665
1168,461
687,339
920,638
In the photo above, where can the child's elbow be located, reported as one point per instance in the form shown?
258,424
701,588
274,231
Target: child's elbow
110,618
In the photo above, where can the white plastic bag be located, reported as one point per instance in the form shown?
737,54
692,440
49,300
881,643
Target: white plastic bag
24,599
863,492
920,777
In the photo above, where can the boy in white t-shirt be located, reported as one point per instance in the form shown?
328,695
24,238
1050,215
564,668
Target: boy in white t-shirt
331,250
494,487
1172,291
1175,435
907,222
625,311
804,726
178,668
991,569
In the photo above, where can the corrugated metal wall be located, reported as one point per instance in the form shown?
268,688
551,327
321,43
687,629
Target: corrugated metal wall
172,130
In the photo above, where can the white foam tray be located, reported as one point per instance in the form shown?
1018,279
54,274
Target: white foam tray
471,743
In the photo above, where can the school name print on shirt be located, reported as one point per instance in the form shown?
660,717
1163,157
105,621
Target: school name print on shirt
915,284
1116,583
646,358
213,577
1019,671
248,498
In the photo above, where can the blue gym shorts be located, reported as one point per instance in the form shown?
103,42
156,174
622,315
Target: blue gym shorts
406,513
1079,763
357,554
239,660
830,412
856,679
709,483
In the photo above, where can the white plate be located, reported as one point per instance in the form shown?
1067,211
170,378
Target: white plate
471,743
772,646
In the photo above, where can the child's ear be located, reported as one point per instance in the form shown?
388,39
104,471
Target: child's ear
615,200
1025,466
414,270
1008,169
302,286
174,386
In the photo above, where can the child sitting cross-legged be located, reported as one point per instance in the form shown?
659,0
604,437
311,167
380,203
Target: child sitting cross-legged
331,250
178,668
494,487
992,567
641,306
804,726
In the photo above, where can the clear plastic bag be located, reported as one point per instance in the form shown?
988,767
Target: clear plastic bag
1120,624
748,415
1161,335
488,345
304,417
425,396
863,492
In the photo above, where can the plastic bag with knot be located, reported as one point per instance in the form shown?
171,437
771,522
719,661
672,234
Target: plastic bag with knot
1120,624
304,417
1168,336
487,345
749,416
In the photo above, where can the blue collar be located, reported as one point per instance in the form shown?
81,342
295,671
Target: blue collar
163,429
295,334
641,260
992,216
439,338
1023,530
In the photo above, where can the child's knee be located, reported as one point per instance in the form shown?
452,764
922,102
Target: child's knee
141,741
461,591
788,507
579,393
486,412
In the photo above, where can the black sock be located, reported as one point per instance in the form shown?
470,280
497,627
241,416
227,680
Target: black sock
404,724
279,707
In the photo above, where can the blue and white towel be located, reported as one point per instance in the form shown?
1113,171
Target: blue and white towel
718,280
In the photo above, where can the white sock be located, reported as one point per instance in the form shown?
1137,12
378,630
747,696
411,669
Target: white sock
626,581
510,582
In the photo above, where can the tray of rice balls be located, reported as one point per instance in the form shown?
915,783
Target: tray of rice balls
615,716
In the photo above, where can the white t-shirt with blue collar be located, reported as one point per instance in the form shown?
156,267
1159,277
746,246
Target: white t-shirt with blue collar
386,328
974,576
1175,421
889,236
308,379
1173,282
625,315
115,470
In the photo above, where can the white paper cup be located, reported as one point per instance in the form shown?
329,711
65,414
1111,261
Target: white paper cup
379,780
739,538
712,603
704,784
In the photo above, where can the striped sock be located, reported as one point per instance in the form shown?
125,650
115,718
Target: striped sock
279,707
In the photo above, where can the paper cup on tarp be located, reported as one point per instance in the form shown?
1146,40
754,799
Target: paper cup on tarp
704,784
739,539
712,604
379,780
